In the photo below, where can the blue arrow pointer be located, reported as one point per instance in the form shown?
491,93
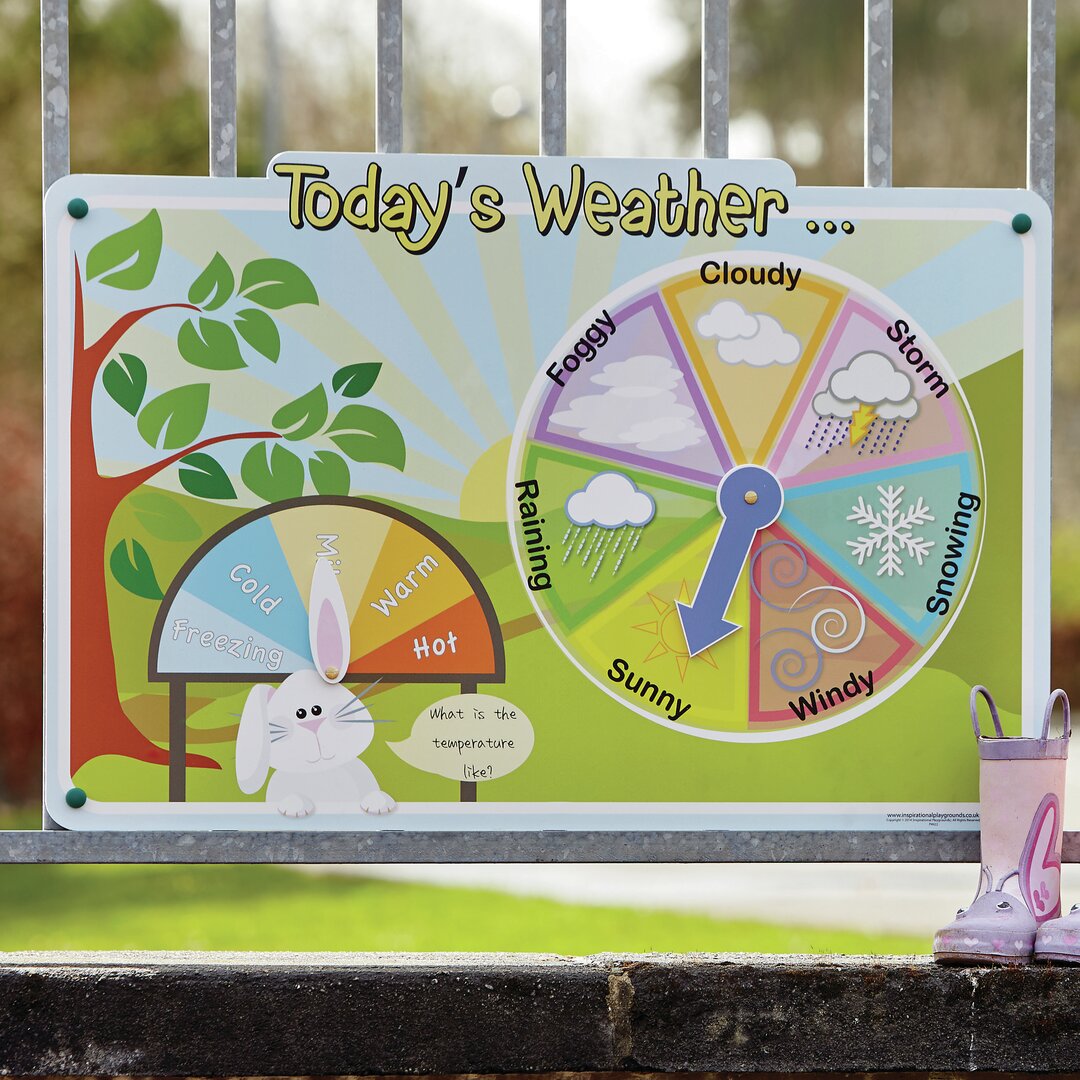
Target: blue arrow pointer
750,498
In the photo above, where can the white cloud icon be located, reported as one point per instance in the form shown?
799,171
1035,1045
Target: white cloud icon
869,379
827,405
638,376
745,338
637,408
610,500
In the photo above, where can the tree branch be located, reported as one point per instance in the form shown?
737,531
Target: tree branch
132,480
108,341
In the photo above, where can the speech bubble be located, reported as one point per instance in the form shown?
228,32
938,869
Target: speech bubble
468,737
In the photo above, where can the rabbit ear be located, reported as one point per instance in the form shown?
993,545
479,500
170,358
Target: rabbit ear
253,741
328,624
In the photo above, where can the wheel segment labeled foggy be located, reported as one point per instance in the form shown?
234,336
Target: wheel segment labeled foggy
637,407
606,520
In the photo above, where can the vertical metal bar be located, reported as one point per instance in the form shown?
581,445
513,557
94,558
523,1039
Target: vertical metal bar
388,104
715,77
1042,44
271,84
553,77
222,87
55,142
877,93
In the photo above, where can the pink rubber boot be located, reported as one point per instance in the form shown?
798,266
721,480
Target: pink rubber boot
1021,793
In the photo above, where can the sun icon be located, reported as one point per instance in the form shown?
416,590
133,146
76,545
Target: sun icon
668,631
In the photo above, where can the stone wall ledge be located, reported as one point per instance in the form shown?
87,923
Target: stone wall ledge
220,1014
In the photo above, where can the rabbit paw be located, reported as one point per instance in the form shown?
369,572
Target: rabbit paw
296,806
377,802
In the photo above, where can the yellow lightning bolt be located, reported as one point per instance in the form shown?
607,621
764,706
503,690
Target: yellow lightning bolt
861,419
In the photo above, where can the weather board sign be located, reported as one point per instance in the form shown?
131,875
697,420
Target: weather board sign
421,493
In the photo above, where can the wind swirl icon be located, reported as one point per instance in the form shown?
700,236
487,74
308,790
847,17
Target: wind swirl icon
830,630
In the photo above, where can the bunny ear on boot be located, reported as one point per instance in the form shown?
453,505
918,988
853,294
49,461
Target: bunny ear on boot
1021,792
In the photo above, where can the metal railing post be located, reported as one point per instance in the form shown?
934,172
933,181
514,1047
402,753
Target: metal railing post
55,141
222,87
553,77
715,82
1042,44
877,93
388,81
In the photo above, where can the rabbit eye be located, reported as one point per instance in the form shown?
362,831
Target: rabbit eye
301,713
316,710
1004,905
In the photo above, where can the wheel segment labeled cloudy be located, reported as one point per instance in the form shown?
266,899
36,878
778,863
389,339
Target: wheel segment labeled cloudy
826,576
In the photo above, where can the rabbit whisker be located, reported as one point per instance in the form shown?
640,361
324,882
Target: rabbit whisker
360,696
278,738
351,712
362,720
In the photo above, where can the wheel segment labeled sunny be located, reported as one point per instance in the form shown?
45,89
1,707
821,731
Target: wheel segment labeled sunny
747,510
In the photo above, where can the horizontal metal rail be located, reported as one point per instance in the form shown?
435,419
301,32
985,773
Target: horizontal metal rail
486,847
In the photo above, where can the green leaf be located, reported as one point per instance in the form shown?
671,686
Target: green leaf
164,516
138,245
205,477
218,279
275,283
367,434
216,349
329,473
305,416
356,380
125,382
175,418
135,571
282,477
260,332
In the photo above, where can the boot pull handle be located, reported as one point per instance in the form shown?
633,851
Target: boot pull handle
1055,697
974,700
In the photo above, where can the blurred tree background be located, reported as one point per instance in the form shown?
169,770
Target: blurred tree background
138,96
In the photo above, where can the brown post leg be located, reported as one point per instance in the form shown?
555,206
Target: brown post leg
177,740
467,791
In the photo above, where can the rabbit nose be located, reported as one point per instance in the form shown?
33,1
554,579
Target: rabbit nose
312,723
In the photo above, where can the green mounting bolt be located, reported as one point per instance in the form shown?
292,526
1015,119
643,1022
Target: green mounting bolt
75,797
78,208
1021,223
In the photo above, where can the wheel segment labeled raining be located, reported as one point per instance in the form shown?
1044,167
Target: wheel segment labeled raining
756,510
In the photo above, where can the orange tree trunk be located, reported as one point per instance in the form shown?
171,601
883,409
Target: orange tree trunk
101,726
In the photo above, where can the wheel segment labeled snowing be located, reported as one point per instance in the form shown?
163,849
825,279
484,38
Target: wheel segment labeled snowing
746,496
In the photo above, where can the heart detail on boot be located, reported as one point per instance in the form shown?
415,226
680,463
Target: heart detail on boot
1040,863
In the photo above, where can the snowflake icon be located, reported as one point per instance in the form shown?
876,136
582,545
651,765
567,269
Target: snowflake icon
889,530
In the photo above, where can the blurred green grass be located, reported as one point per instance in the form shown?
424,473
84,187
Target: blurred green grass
274,908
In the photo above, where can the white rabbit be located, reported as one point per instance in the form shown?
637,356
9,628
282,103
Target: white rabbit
311,729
